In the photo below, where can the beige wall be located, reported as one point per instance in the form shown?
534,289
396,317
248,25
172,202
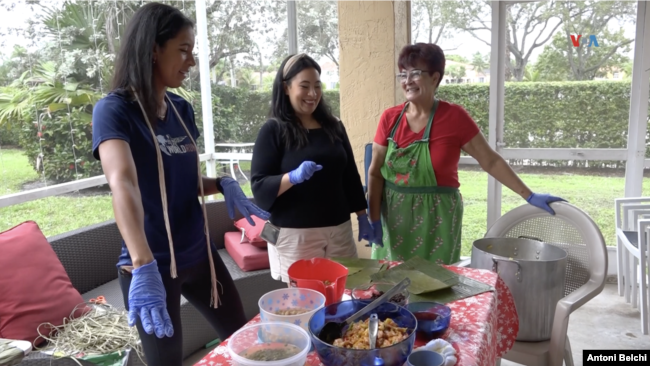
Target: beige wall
371,34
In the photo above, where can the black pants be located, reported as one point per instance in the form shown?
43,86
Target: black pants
193,283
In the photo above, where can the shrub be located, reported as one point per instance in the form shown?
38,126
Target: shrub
590,114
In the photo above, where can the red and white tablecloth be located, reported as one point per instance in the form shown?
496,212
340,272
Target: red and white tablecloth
482,329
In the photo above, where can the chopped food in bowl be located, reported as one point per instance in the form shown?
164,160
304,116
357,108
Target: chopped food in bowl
356,337
269,344
292,305
356,352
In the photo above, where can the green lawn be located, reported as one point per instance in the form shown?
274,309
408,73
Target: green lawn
56,215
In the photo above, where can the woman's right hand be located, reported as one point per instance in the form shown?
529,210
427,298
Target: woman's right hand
303,172
377,233
147,299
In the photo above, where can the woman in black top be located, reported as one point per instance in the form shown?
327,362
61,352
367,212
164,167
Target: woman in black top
304,173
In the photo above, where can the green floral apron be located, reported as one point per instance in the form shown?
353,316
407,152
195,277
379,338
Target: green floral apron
419,218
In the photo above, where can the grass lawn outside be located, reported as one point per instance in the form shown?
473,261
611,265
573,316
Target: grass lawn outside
59,214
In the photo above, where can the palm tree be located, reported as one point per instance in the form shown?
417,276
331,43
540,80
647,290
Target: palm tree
479,63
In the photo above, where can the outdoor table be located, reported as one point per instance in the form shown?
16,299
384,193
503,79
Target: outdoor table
483,328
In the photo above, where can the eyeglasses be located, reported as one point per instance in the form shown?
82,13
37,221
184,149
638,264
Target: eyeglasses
414,74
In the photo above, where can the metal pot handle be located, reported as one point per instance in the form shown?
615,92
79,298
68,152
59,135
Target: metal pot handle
530,237
495,266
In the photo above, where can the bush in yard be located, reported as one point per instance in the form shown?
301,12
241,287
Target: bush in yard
52,151
9,134
590,114
238,113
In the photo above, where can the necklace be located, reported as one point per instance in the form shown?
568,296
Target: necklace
164,113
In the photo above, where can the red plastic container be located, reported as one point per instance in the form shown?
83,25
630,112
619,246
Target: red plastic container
312,274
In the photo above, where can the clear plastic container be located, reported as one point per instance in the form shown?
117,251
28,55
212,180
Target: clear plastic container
288,299
270,339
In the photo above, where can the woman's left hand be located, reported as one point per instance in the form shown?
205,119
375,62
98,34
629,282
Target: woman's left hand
235,197
542,200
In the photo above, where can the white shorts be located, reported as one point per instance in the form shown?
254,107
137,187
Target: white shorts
296,244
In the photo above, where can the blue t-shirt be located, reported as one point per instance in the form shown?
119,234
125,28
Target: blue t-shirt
116,117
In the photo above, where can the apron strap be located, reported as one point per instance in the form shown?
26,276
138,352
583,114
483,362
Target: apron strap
427,131
392,132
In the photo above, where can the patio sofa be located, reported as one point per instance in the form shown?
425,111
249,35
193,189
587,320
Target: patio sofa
89,256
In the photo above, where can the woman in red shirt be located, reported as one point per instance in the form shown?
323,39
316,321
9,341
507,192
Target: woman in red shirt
414,203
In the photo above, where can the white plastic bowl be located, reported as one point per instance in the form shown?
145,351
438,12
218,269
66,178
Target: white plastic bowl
290,298
269,335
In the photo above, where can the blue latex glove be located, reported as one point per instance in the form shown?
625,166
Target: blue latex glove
235,197
303,172
377,233
365,231
147,299
542,200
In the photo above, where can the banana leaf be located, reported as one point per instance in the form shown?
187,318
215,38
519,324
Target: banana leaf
109,359
420,282
461,287
356,265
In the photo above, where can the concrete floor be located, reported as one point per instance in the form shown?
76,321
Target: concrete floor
606,322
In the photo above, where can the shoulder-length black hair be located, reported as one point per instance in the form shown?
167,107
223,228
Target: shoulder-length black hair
293,132
153,24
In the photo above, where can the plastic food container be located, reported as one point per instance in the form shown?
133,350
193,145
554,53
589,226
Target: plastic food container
287,300
372,291
394,355
319,274
274,340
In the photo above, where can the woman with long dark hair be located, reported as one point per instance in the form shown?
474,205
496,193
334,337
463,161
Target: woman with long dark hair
304,173
146,139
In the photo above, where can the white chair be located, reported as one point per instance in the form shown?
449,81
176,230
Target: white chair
574,231
643,238
627,213
630,237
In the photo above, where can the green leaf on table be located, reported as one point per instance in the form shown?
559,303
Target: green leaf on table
420,282
355,265
360,278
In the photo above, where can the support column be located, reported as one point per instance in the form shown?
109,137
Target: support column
638,123
292,27
371,34
206,92
495,133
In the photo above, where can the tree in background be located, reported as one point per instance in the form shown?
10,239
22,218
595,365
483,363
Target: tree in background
529,26
457,58
479,62
561,60
318,33
455,72
435,19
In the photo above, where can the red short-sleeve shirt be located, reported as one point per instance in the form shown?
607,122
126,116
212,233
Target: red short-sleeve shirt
452,128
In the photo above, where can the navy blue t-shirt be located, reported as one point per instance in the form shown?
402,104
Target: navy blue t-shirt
116,117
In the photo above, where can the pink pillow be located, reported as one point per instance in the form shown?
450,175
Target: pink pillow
35,287
247,257
252,233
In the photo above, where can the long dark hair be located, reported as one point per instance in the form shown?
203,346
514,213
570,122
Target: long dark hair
293,132
153,24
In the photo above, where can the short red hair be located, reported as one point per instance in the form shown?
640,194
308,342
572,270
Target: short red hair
429,54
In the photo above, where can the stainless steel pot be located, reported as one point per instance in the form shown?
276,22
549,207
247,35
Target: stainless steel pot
534,272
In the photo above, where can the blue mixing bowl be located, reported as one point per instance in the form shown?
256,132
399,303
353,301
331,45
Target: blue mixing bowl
394,355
